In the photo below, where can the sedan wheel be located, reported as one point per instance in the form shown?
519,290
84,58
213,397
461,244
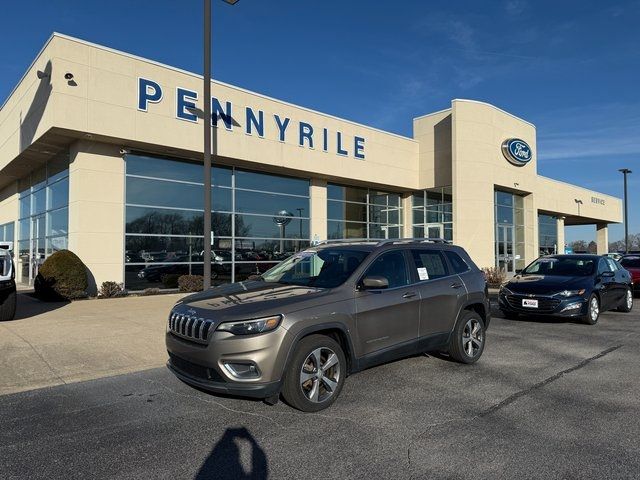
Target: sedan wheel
627,303
593,311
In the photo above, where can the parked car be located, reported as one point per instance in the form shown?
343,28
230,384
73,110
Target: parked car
574,286
631,263
7,282
615,256
327,312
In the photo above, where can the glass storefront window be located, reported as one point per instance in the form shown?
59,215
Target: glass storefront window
44,215
164,221
355,212
7,232
547,234
509,228
433,213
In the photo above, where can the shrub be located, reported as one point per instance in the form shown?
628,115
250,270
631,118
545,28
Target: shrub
494,276
170,280
62,276
111,290
191,283
150,291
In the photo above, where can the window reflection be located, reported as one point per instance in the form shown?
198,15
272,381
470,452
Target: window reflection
164,221
433,213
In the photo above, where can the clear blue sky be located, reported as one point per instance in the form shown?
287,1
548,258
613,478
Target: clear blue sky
571,67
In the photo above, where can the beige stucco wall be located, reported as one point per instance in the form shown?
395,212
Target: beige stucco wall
433,132
96,209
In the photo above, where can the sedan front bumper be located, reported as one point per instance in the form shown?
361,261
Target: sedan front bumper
574,306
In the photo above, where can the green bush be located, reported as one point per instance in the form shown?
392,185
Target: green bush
170,280
62,276
191,283
111,290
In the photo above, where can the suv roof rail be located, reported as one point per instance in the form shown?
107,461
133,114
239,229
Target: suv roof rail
412,240
389,241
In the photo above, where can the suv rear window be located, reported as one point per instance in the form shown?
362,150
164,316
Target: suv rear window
429,264
457,262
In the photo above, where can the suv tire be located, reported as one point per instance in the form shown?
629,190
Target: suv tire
468,337
8,308
307,387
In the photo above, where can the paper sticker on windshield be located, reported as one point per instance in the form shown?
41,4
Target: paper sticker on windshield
423,274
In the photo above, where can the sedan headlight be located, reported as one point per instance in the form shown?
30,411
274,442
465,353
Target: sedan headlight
250,327
571,293
504,289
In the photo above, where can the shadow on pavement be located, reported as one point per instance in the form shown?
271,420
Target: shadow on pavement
29,306
225,460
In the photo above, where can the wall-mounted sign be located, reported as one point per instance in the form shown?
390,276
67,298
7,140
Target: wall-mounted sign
517,151
598,200
150,92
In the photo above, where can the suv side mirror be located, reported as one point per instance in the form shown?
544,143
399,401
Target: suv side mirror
374,282
518,271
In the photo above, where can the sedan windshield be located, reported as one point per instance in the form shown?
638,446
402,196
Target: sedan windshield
326,268
630,262
562,266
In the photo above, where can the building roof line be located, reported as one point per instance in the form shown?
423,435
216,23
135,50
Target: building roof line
432,113
590,192
192,74
494,107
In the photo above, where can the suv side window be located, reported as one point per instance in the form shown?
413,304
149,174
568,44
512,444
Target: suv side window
429,264
458,264
392,266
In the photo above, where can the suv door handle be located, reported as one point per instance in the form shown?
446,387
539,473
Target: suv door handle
456,285
409,295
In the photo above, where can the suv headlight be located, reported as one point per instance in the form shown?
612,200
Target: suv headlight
571,293
250,327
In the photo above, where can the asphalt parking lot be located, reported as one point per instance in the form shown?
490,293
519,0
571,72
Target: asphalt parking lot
549,399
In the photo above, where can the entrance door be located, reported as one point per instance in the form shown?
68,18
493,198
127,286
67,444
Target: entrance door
36,248
434,230
505,258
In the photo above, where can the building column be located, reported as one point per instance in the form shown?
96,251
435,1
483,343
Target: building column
407,215
96,210
560,235
602,238
318,200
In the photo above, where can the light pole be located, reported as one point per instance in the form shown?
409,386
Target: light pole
625,172
207,141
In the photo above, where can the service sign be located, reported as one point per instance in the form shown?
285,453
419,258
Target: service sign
517,152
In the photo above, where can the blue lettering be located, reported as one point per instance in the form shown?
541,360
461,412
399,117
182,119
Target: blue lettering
225,115
325,139
306,131
340,150
358,147
185,108
253,122
148,92
282,126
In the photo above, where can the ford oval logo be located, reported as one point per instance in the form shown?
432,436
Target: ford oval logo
517,151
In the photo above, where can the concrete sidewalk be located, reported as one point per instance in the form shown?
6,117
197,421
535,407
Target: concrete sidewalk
56,343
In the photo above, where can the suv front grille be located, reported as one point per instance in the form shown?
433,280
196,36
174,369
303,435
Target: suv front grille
190,327
545,304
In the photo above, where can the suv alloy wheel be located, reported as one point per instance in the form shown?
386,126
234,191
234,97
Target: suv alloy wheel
467,339
316,374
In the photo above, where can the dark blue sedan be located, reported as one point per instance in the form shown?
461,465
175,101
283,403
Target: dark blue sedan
575,286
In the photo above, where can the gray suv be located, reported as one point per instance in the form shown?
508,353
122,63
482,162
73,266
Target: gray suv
329,311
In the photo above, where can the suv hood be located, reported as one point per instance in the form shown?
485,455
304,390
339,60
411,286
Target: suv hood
545,284
252,299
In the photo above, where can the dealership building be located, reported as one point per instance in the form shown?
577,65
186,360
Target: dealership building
101,154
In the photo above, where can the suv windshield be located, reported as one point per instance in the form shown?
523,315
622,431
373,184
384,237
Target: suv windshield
630,262
562,266
326,268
